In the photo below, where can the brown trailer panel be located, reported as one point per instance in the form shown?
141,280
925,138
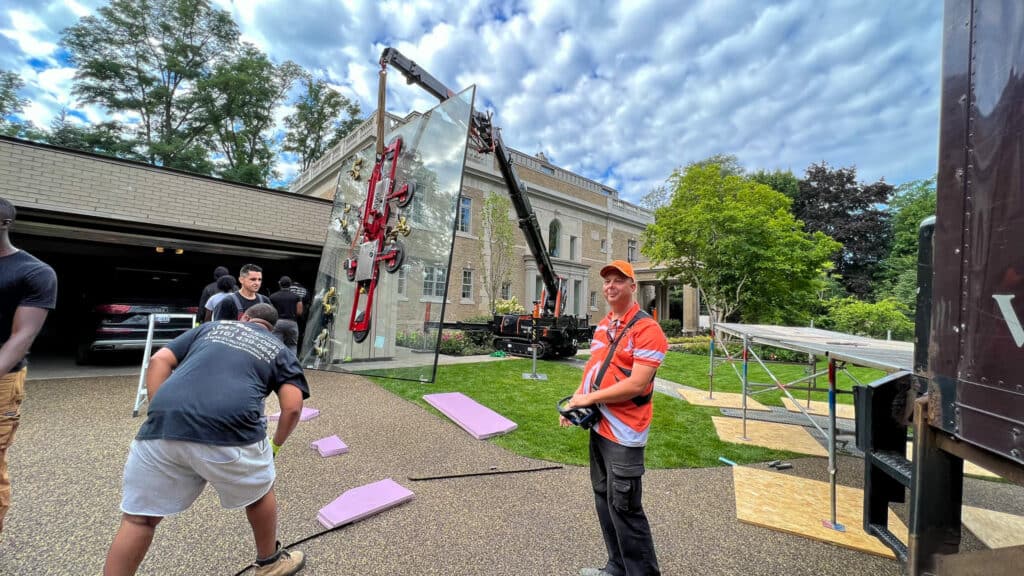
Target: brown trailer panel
976,348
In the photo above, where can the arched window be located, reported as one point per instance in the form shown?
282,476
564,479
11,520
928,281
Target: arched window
554,230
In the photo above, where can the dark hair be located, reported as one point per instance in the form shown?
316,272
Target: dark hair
7,211
284,282
250,268
220,271
225,283
262,311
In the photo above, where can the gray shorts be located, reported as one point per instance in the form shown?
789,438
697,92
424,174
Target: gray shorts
164,477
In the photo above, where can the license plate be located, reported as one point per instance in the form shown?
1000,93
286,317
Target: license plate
162,318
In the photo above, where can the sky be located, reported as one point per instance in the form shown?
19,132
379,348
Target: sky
619,92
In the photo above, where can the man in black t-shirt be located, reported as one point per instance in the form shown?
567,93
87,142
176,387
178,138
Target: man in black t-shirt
289,309
250,279
28,291
205,423
209,290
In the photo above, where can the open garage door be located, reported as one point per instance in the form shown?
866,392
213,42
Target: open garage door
97,267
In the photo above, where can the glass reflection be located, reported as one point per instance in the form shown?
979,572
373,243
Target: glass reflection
380,297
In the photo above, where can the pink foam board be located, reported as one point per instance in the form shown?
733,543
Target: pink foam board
480,421
330,446
358,503
307,414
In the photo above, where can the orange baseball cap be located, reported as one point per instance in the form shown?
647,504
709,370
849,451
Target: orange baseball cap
623,267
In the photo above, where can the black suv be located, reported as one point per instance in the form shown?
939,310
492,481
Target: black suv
119,312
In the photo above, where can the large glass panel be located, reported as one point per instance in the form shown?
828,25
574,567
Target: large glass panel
382,284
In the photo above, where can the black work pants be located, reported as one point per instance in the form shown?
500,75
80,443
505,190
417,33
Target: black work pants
616,472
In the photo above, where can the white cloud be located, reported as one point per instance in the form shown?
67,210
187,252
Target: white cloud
621,92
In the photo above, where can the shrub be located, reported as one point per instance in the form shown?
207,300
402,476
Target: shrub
701,345
510,306
671,327
870,319
457,343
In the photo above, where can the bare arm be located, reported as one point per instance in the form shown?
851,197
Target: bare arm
290,397
631,387
161,365
208,316
27,323
298,308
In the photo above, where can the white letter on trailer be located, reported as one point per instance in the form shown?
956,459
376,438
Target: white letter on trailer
1005,306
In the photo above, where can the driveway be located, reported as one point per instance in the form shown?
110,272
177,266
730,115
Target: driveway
71,447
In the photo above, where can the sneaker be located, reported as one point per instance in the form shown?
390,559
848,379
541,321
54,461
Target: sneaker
288,562
593,572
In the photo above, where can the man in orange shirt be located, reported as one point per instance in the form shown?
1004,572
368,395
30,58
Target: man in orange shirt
622,393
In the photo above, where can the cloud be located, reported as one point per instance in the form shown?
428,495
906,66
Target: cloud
620,92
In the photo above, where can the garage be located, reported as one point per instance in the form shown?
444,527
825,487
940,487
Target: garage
116,230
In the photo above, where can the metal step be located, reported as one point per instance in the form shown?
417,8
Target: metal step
890,540
894,464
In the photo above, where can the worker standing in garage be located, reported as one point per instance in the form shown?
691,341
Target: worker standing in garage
250,279
28,291
209,290
289,309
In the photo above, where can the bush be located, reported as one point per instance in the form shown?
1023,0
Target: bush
701,345
482,337
457,343
510,306
671,327
873,320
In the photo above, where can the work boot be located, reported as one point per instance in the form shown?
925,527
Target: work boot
285,564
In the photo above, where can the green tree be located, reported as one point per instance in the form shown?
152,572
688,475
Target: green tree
238,102
317,123
872,319
833,202
12,104
104,138
145,58
656,198
913,202
779,181
737,242
499,235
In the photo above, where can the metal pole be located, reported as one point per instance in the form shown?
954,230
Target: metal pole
142,390
711,364
746,364
832,440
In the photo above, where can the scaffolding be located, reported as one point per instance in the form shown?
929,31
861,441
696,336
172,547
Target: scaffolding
837,348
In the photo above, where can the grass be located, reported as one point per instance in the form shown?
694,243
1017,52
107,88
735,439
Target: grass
692,370
681,436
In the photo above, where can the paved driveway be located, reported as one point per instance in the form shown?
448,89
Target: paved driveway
70,451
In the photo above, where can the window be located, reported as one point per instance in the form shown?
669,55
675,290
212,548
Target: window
547,170
506,290
554,229
574,248
577,296
604,246
631,251
538,287
465,213
403,280
434,280
467,284
593,299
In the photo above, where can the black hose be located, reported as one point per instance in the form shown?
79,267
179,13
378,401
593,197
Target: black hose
489,473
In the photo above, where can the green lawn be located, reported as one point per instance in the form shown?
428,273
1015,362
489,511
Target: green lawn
682,435
692,370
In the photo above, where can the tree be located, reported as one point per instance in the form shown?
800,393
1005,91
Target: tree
736,241
11,103
779,181
145,58
317,125
499,235
831,201
238,101
913,202
656,198
104,138
874,320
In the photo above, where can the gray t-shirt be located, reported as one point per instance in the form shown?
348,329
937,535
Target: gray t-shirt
216,394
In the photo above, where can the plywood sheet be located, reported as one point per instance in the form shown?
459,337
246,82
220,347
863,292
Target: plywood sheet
820,408
969,467
719,399
799,506
995,529
769,435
